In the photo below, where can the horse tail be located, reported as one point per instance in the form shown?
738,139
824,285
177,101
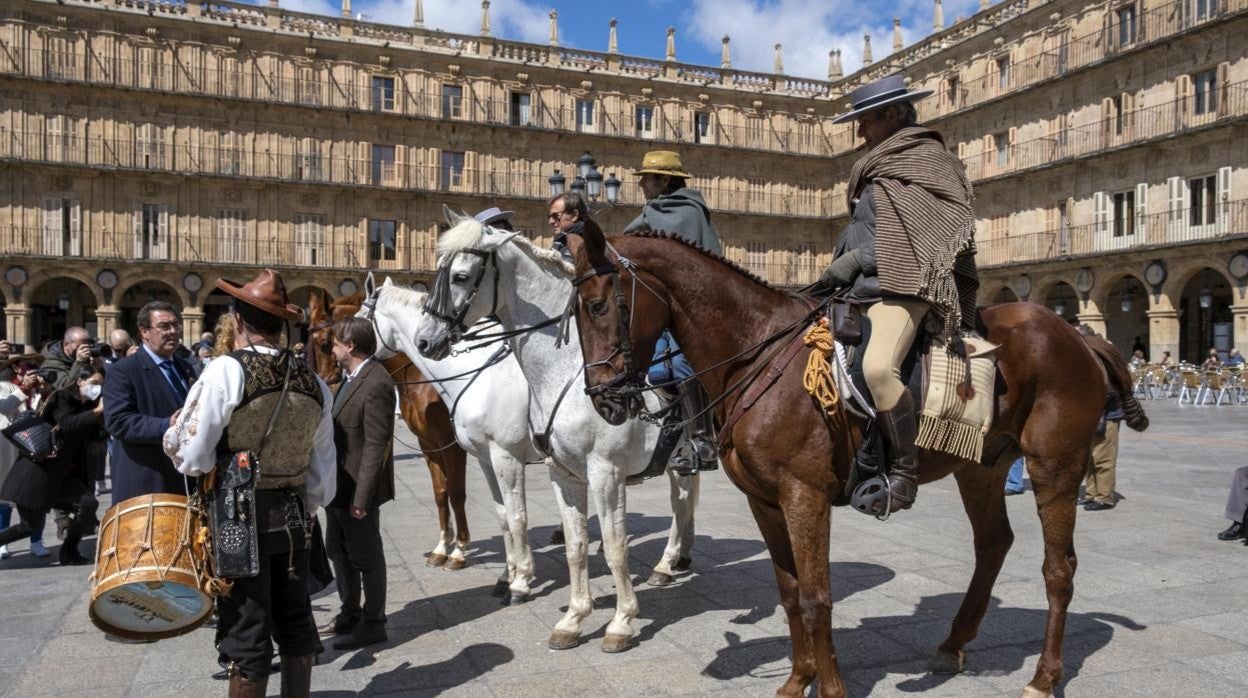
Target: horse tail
1120,377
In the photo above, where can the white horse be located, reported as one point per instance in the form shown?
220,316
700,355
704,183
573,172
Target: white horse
488,408
589,458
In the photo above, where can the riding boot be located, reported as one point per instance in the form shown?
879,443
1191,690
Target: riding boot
702,425
669,439
899,427
243,687
297,675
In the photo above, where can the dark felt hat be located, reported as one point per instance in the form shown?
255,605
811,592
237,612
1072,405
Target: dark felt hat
879,94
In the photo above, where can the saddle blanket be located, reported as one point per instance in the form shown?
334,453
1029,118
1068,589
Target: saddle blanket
958,399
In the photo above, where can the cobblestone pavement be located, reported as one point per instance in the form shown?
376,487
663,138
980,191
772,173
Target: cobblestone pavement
1160,605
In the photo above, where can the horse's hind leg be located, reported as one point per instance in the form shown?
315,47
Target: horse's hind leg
1056,482
437,557
983,497
455,464
684,497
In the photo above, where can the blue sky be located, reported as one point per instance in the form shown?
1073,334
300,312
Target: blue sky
807,29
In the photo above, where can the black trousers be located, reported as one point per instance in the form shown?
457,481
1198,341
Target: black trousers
273,605
354,547
74,497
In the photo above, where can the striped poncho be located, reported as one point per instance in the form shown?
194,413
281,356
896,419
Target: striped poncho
924,225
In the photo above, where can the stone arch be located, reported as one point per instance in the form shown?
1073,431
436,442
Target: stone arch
131,296
1123,300
1181,273
41,278
1042,286
1060,297
1201,326
45,296
298,293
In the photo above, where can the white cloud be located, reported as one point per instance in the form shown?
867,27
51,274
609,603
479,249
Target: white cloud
808,29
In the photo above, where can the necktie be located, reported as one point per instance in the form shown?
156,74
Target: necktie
342,390
174,379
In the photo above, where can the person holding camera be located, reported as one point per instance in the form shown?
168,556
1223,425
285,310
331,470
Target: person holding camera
22,389
65,361
60,480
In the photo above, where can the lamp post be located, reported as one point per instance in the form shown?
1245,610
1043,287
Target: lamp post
588,182
62,302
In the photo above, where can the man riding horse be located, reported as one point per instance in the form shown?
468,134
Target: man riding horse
908,251
674,208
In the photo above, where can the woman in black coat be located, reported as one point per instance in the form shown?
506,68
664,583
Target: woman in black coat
61,481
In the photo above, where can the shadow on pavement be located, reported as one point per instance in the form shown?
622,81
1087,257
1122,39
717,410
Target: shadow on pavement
872,657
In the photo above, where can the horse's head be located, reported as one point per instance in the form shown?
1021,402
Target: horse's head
466,286
388,332
620,317
320,345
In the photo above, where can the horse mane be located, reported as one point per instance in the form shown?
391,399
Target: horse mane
469,233
650,234
409,298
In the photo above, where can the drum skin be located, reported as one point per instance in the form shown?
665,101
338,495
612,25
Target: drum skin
145,586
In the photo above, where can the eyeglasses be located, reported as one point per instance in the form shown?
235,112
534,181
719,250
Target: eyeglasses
165,327
554,215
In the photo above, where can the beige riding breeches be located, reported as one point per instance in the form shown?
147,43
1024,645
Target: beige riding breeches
894,325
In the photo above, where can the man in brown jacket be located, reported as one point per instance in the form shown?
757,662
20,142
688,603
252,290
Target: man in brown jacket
363,429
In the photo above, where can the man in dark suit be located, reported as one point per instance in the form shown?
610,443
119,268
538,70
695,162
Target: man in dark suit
143,395
363,429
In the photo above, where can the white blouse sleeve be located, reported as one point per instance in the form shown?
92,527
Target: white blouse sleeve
192,441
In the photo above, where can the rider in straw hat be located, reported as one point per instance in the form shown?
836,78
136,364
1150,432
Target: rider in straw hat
673,208
228,411
909,250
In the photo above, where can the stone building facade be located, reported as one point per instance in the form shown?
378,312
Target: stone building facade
147,147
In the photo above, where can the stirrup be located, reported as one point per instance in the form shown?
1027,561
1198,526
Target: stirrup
874,491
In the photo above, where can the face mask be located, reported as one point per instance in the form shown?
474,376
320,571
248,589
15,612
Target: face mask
91,391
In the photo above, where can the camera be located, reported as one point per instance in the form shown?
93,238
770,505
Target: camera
16,349
96,351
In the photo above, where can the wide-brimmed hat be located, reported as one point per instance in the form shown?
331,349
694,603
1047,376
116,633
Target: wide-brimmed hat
265,292
663,162
494,214
15,359
879,94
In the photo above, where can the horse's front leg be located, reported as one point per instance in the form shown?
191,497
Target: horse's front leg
808,513
676,556
775,532
572,496
510,473
606,486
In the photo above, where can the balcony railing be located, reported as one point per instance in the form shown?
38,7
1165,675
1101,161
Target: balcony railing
1155,25
1131,127
813,137
235,249
313,167
1221,220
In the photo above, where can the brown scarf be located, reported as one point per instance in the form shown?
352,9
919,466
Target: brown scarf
924,225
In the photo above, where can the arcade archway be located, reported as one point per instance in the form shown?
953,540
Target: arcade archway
1062,300
1126,316
140,294
58,304
1205,318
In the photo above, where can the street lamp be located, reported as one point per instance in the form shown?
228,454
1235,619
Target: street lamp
1206,298
62,302
1128,301
593,182
585,165
613,188
556,181
1060,308
578,186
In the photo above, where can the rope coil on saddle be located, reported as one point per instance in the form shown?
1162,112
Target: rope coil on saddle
817,378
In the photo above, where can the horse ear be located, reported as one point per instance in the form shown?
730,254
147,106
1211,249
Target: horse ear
370,284
453,218
387,282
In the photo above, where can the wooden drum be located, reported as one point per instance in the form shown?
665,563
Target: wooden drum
145,585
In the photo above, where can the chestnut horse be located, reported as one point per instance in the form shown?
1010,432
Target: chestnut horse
792,463
426,415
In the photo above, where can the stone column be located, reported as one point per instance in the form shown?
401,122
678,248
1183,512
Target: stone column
107,316
1239,329
1092,316
17,318
192,324
1163,329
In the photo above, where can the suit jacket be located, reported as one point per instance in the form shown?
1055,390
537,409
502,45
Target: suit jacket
363,432
138,402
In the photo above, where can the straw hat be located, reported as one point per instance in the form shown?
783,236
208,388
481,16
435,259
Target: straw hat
663,162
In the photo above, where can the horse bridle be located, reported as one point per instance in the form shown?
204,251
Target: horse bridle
439,304
310,351
626,385
370,306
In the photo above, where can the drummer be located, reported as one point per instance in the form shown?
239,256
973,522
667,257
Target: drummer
228,411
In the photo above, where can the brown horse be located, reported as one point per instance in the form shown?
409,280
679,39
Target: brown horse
425,414
792,463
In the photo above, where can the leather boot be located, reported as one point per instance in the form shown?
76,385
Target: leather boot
297,675
669,439
900,428
243,687
702,429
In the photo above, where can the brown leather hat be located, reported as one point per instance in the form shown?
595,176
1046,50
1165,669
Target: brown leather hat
15,359
266,292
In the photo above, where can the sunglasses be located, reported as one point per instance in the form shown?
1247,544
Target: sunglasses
554,215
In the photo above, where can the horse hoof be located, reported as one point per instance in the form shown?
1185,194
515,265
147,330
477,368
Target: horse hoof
612,644
683,564
659,579
556,537
515,598
563,640
1030,692
946,663
435,560
453,564
500,589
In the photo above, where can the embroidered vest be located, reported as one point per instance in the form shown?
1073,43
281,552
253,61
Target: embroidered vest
285,460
